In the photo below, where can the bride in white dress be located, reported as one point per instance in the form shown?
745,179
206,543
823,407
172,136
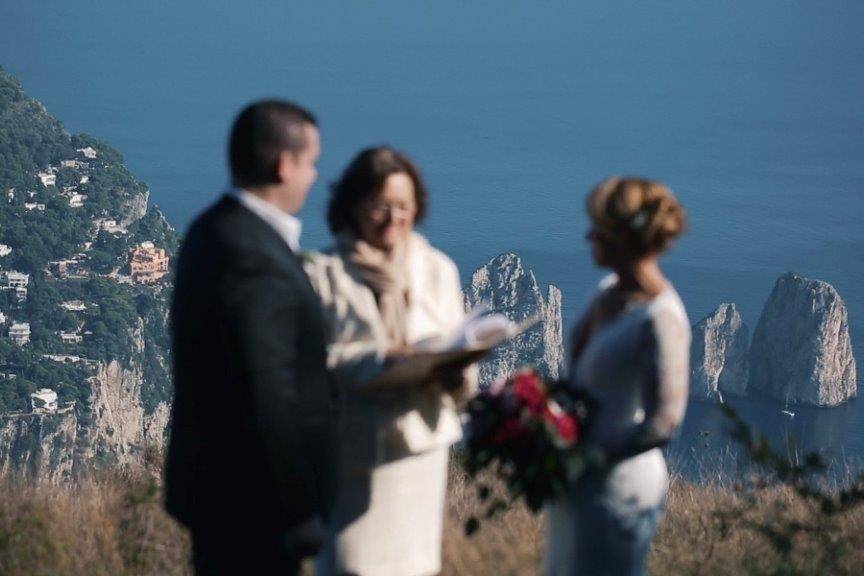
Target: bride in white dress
631,352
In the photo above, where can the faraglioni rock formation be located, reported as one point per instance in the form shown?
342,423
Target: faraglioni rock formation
510,288
801,351
718,355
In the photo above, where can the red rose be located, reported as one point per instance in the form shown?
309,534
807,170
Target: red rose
567,428
529,390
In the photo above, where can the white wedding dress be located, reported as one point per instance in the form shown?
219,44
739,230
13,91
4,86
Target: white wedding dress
637,368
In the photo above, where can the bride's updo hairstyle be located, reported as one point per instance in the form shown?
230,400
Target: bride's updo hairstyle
634,216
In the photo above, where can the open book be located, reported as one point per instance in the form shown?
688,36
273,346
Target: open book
478,334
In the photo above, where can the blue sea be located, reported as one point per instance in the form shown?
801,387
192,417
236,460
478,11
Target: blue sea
752,113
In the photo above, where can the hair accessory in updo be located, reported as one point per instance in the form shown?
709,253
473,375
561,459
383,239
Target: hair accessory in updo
638,220
638,216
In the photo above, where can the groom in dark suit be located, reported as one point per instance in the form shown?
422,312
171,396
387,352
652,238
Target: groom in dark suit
250,464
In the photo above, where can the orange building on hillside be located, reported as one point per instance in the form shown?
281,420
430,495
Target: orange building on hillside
148,263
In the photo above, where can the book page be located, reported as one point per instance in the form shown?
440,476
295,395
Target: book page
475,338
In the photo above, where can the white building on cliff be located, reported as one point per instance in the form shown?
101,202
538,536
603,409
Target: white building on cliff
17,279
77,200
73,305
47,178
19,333
44,401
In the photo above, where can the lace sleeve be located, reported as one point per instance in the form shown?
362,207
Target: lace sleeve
667,365
664,361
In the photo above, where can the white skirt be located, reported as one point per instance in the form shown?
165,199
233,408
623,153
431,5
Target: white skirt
389,520
605,524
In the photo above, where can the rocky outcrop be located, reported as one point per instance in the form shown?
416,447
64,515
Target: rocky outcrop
718,354
111,430
39,447
120,431
135,208
552,325
114,428
801,351
508,287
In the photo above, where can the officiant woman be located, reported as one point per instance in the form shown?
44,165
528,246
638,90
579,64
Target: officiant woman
384,288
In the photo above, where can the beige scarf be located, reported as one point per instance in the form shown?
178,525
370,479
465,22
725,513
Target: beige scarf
386,274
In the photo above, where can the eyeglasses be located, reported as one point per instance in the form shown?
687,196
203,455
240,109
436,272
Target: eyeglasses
379,211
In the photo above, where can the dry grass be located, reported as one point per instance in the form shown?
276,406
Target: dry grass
509,544
106,526
709,529
116,526
718,530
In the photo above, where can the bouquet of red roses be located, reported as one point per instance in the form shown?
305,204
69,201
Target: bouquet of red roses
529,433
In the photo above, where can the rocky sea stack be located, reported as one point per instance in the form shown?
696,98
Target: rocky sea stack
512,289
718,354
801,351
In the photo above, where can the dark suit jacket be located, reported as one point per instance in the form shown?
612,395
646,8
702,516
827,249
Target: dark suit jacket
254,417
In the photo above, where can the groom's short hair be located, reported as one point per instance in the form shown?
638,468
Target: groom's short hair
261,132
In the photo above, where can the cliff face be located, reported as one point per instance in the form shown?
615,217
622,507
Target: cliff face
135,208
39,446
718,354
121,431
801,351
119,421
508,287
113,428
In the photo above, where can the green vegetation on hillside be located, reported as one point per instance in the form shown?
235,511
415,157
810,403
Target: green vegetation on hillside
70,198
29,136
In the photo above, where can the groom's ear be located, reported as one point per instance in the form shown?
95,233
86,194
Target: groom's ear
286,163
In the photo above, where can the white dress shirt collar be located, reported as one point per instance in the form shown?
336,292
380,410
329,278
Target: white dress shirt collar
286,225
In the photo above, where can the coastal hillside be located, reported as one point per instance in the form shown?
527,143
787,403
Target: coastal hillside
85,275
85,280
